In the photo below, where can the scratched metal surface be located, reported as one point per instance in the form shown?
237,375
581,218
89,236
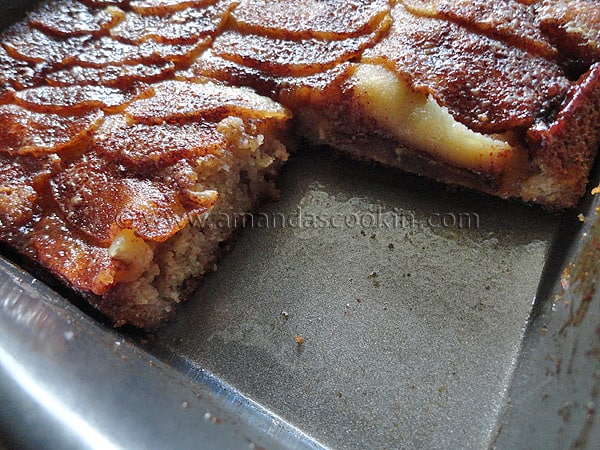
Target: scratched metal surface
68,383
411,329
554,399
415,334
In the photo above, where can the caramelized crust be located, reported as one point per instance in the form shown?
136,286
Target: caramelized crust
573,26
310,19
552,144
200,102
300,40
98,199
109,52
486,84
20,180
289,58
164,7
34,46
131,128
33,133
88,268
513,22
72,18
71,100
17,74
147,147
121,77
292,91
186,26
31,45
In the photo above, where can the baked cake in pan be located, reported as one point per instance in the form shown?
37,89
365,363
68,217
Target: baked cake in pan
132,131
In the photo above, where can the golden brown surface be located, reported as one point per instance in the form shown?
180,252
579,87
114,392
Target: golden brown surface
21,179
31,45
98,198
150,147
507,20
163,7
128,126
113,76
177,101
310,19
72,18
106,51
17,74
288,58
73,100
573,26
27,132
486,84
185,26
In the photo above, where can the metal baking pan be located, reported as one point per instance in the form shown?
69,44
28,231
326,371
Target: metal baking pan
365,309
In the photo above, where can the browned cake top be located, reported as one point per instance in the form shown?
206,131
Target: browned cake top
72,100
185,26
177,102
97,198
25,43
573,26
87,267
27,132
308,19
488,85
161,7
72,18
113,76
73,169
17,74
21,178
289,58
148,147
508,20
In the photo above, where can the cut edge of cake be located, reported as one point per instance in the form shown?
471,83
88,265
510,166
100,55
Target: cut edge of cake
552,172
164,274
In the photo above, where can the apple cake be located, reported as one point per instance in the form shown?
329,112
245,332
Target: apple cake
133,130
